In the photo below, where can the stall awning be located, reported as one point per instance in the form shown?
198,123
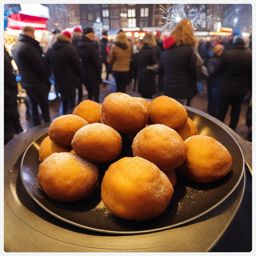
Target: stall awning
20,20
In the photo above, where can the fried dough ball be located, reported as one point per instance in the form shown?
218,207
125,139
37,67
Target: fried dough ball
124,113
207,160
161,145
66,177
48,147
89,110
63,128
97,143
135,189
168,111
171,174
145,102
187,130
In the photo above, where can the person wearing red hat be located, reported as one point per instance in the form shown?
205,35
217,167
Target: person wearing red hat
77,30
67,34
65,66
76,37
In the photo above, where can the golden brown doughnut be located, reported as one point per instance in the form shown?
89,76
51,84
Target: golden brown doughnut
168,111
124,113
66,177
135,189
48,147
97,143
187,130
145,102
89,110
63,128
207,160
161,145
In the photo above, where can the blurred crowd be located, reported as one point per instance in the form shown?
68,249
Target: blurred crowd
178,65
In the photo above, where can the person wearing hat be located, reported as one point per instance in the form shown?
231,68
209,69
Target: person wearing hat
65,66
53,37
77,34
76,37
91,65
55,31
30,59
213,80
104,53
235,66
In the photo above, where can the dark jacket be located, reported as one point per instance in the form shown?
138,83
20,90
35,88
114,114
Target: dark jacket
75,41
159,49
147,56
236,71
203,51
31,62
213,79
65,66
103,49
10,87
178,68
134,65
91,66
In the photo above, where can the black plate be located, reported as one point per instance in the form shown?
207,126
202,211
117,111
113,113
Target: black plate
190,200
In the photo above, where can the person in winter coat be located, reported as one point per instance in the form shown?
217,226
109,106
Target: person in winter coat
104,53
120,58
236,79
53,37
34,72
213,82
12,124
66,68
159,50
76,37
91,66
202,50
178,63
147,64
133,65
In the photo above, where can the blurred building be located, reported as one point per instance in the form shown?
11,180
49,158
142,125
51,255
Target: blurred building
157,16
116,16
63,15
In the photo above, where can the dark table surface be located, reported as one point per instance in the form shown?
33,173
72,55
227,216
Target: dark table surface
29,228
